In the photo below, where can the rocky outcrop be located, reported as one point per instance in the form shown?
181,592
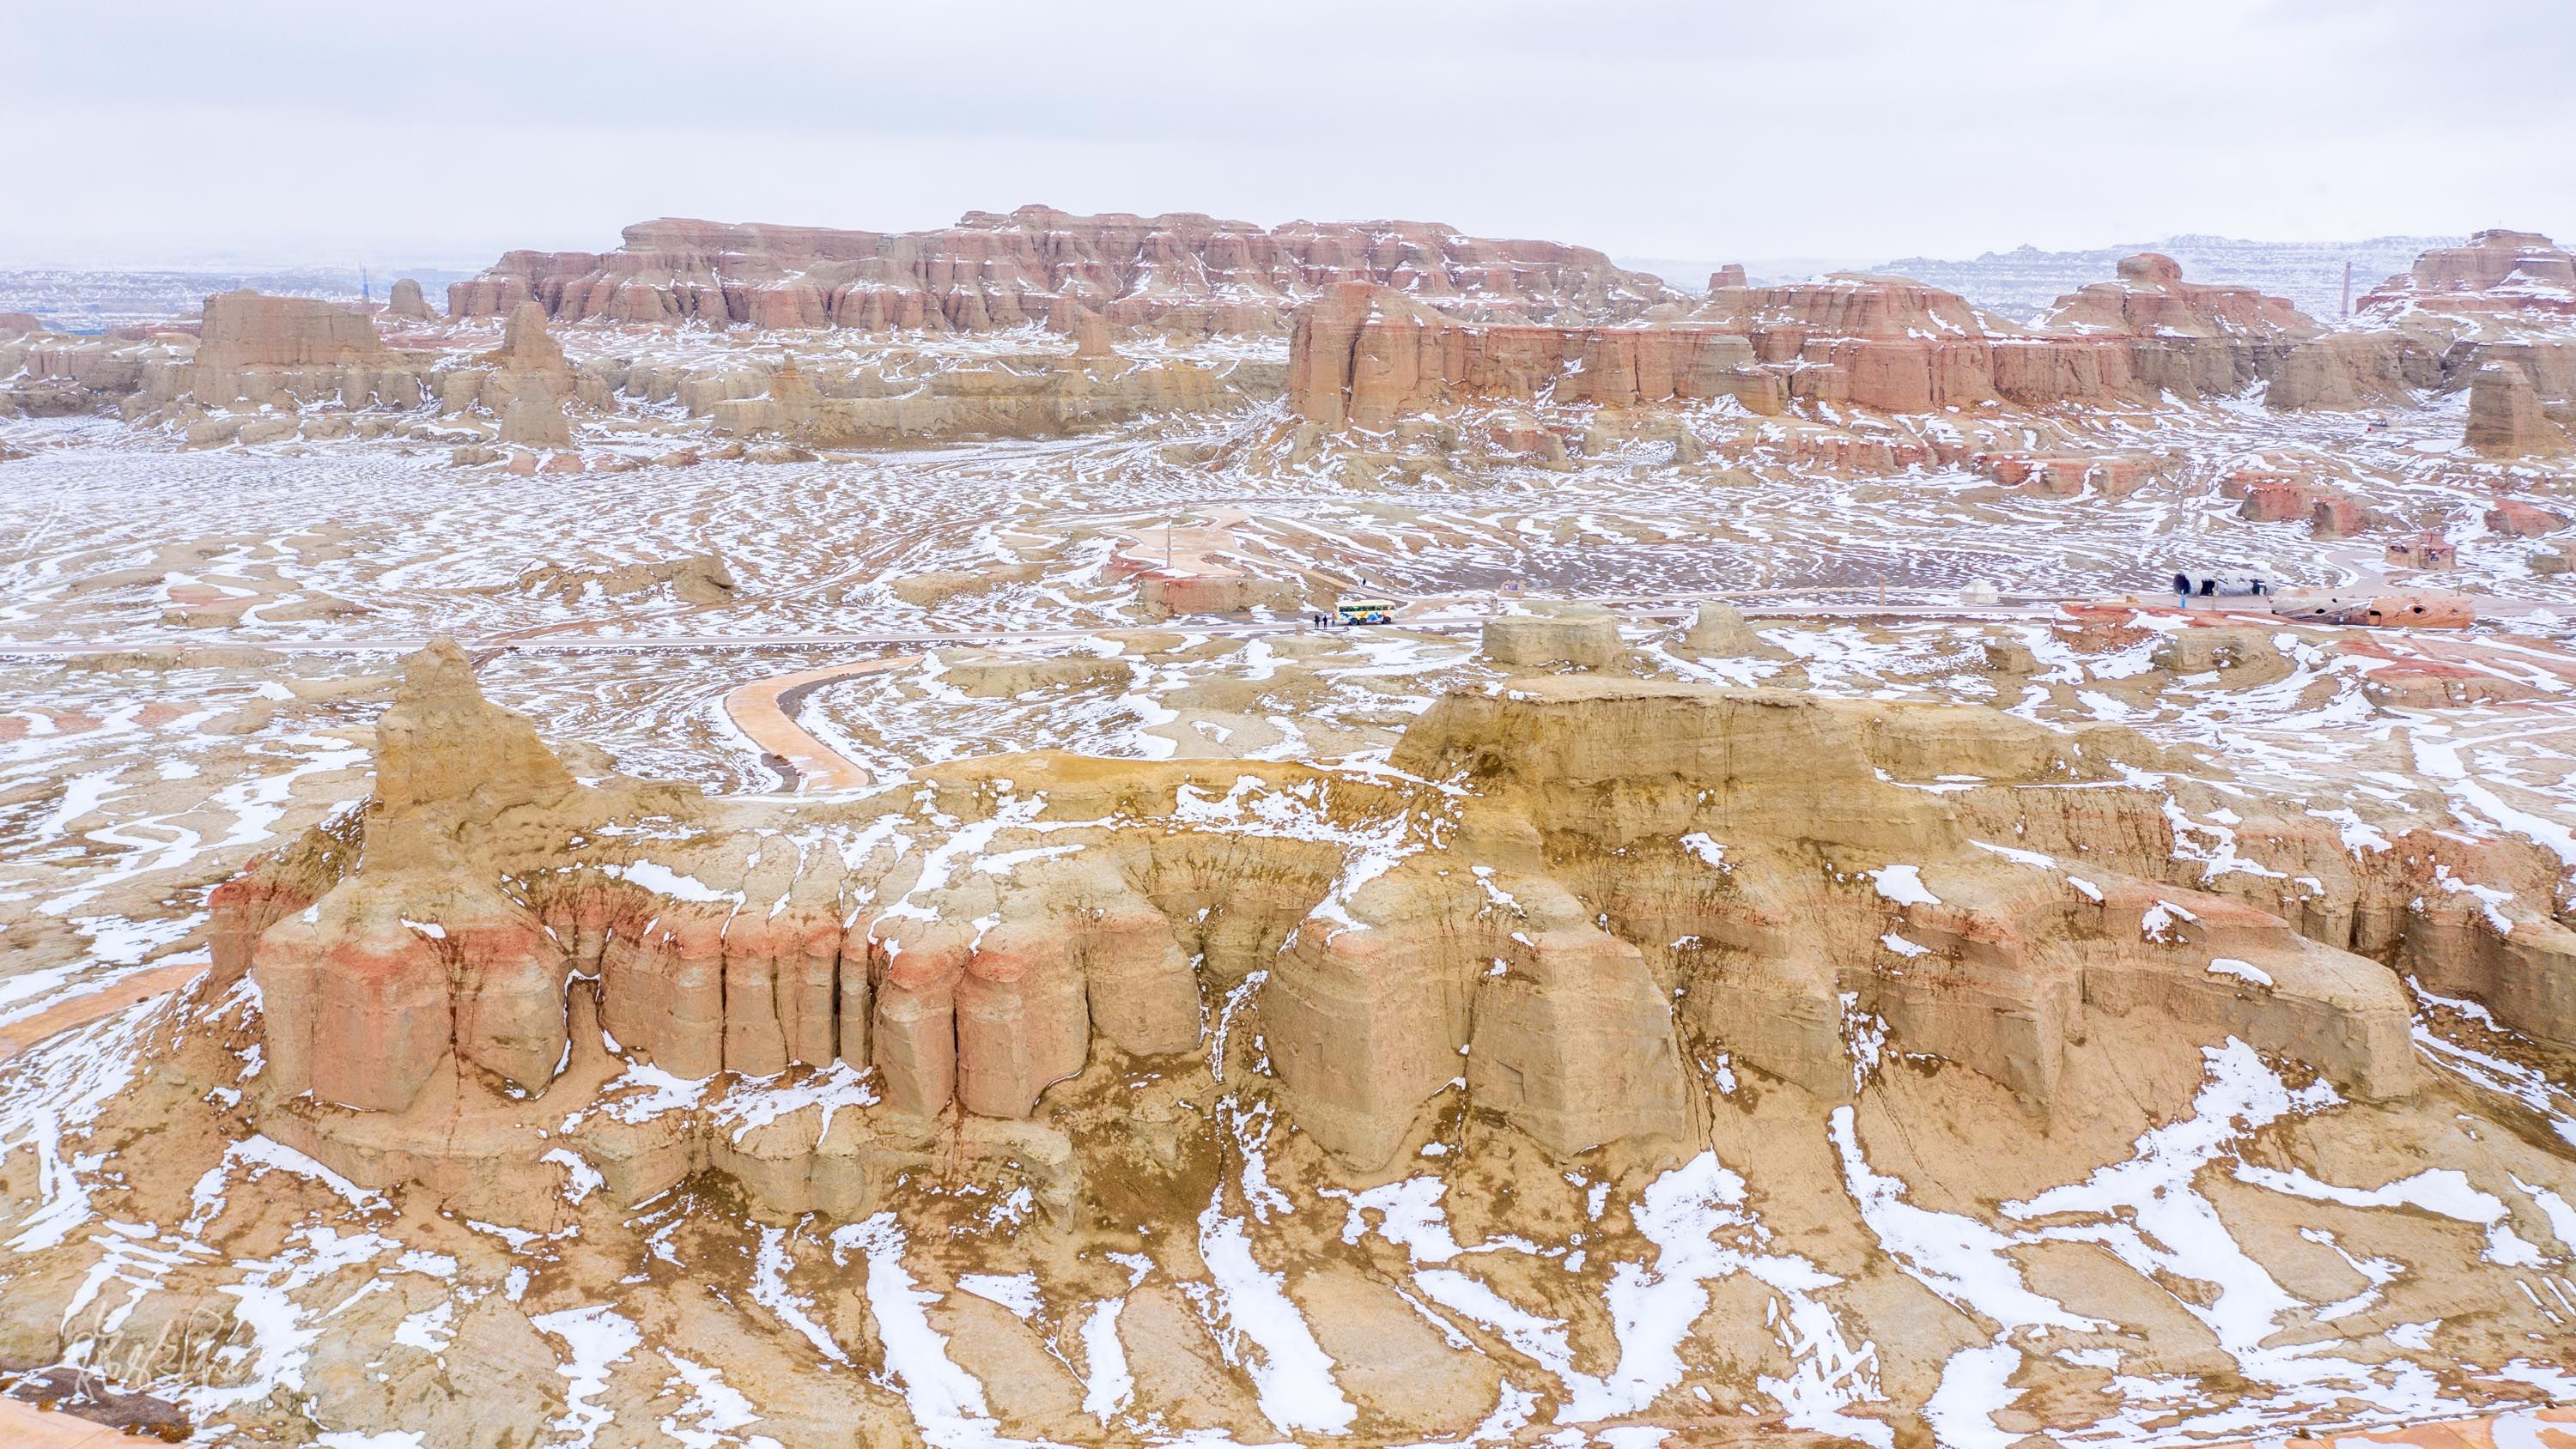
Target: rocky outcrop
1719,631
2499,284
2513,518
1183,272
1365,355
1024,395
1894,345
250,352
2506,416
2492,261
1587,638
1566,892
245,330
698,579
406,302
2149,298
264,350
526,378
2350,370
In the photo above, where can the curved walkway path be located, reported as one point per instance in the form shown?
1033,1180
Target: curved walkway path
89,1006
765,711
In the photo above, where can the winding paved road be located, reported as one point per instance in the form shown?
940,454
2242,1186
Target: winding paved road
765,711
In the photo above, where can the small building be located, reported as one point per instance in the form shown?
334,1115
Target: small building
2426,550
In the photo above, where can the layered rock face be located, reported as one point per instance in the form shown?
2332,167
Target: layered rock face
260,349
1365,357
1365,354
1603,882
2192,338
2507,417
1182,272
527,381
2493,261
250,349
1029,395
2149,298
407,303
2501,282
245,329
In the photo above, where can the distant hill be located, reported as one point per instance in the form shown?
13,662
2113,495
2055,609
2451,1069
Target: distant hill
2024,281
84,300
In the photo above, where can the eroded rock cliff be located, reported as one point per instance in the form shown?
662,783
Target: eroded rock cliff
1574,890
1183,272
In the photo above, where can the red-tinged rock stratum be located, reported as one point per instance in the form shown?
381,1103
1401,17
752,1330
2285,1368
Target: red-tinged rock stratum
1774,864
1182,272
1369,354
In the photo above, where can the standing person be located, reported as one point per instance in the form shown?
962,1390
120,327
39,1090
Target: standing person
2182,590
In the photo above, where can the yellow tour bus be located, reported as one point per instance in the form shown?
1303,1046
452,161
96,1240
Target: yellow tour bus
1366,611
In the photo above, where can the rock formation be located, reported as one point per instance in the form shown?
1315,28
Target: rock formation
529,366
2500,281
1719,631
245,330
2513,518
1364,355
2506,418
1025,395
2149,298
407,303
1587,638
698,579
1367,356
1606,869
1184,272
265,350
533,420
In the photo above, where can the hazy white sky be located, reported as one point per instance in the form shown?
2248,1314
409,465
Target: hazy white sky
294,130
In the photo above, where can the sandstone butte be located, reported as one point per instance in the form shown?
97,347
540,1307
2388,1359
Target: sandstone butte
1182,272
1366,354
2498,279
1597,859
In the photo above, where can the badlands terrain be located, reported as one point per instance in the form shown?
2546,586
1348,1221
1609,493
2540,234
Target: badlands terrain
751,839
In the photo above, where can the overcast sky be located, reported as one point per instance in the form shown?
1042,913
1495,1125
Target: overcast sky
293,130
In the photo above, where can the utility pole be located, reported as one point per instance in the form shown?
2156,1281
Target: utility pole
2347,288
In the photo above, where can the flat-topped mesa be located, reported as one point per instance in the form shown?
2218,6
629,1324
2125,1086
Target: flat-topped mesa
1883,343
2500,284
1183,272
265,350
1570,880
2493,260
1366,357
1026,395
2507,417
245,329
2149,298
